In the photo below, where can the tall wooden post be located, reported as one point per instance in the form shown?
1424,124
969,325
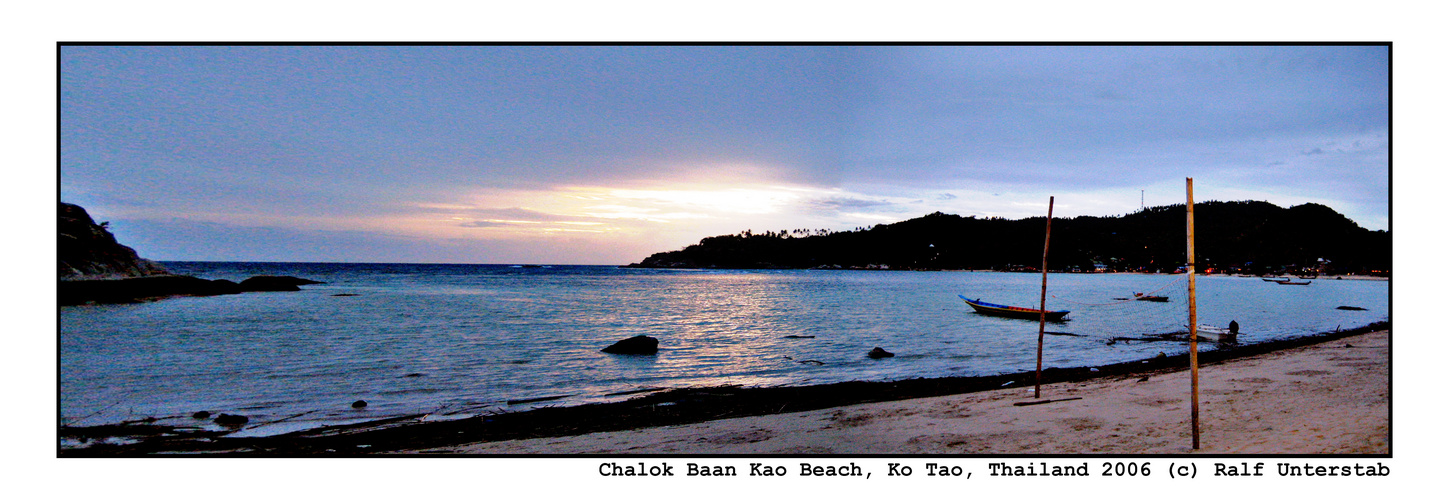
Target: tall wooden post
1191,279
1045,258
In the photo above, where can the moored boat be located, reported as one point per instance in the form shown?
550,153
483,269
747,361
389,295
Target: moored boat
1215,333
1151,298
1206,333
1005,311
1147,298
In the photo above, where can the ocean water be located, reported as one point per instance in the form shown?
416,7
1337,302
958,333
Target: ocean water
461,340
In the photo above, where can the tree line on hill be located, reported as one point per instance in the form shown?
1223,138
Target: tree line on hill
1251,237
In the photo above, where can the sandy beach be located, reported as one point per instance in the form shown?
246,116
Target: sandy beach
1326,394
1328,398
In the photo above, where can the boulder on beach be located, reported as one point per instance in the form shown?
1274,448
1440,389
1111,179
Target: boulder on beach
877,353
641,344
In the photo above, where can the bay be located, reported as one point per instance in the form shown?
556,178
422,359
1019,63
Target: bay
463,340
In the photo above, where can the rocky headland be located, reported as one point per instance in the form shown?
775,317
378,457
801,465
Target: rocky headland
95,268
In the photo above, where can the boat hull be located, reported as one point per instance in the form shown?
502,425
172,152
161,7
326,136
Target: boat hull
1204,333
1004,311
1215,334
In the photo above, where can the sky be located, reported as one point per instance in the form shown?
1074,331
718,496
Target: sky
589,154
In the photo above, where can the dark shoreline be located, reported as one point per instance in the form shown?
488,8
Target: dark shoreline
672,407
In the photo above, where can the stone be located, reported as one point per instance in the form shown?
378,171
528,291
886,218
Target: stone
877,353
641,344
231,420
274,283
74,292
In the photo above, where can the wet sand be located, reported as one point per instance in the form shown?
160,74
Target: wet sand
1328,398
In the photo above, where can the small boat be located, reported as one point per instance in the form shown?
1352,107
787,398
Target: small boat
1147,298
1151,298
1215,333
1276,280
1207,333
987,308
1288,282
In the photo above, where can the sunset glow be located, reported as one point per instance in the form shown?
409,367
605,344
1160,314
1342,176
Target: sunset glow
607,154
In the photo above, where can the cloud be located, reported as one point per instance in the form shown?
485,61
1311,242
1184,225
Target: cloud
513,216
664,145
846,203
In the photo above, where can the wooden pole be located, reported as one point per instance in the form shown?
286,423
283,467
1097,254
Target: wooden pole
1191,279
1040,342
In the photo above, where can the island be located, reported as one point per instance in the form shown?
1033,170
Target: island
1239,237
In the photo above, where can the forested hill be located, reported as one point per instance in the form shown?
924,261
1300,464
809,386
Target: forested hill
1240,236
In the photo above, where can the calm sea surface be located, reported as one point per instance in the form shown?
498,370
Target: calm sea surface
463,340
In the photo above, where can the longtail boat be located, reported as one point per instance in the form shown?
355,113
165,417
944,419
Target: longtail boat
1148,298
1203,332
983,307
1215,334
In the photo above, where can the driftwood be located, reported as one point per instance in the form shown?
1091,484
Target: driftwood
534,400
1043,401
637,391
281,420
806,361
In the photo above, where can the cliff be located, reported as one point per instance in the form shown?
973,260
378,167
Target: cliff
89,250
95,268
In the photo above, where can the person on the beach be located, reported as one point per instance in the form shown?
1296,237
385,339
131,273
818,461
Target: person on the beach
1235,328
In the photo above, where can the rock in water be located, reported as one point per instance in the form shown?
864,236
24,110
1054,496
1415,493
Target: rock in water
359,404
231,420
73,292
274,284
877,353
641,344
